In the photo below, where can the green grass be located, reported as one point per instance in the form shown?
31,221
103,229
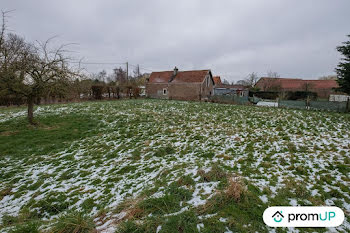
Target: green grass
28,227
73,222
19,139
167,165
166,204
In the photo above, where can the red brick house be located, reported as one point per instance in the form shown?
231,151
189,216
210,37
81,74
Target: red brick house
323,88
180,85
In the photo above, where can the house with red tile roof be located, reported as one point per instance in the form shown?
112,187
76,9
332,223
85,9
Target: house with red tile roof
323,88
180,85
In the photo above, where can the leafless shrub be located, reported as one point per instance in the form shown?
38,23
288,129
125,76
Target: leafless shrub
235,189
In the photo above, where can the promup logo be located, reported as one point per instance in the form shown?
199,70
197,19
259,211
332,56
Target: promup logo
310,216
278,216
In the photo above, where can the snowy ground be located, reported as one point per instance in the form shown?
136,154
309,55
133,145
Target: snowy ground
141,147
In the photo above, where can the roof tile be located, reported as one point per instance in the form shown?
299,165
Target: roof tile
193,76
293,83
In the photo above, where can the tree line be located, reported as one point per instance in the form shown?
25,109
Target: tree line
115,85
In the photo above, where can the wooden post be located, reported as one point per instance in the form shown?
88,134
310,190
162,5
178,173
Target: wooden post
307,102
348,105
127,71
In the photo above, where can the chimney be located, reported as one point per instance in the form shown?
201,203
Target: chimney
175,71
174,74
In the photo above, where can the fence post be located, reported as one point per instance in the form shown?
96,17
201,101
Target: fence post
348,105
307,102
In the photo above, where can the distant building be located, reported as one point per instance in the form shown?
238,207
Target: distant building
226,89
339,98
323,88
180,85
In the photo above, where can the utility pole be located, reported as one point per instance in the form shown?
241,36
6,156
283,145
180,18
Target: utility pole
127,71
138,71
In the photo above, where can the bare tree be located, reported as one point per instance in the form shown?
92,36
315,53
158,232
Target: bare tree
272,74
119,75
46,70
242,82
110,78
226,82
271,82
251,79
85,87
101,76
136,72
32,70
328,77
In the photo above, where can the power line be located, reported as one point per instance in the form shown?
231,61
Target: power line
98,63
128,64
109,63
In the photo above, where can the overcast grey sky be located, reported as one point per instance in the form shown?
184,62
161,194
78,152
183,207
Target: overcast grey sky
296,38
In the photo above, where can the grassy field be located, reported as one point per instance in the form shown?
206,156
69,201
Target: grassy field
168,166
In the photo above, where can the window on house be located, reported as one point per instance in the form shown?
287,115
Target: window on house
165,91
